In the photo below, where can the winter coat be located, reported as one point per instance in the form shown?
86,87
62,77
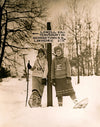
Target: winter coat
41,68
60,68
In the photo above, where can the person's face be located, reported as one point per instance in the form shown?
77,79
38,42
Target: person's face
40,54
58,52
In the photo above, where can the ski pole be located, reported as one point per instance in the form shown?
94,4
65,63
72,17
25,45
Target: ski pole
27,84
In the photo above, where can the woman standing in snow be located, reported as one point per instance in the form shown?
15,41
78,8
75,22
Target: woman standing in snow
61,76
39,75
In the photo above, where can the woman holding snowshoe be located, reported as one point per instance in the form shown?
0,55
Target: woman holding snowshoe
39,75
61,76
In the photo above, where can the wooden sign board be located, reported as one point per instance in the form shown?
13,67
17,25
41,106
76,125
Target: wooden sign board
49,36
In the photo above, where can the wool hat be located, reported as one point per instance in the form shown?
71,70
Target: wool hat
41,50
58,48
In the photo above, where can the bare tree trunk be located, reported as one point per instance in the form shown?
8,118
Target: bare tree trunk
96,64
83,69
82,60
78,81
88,68
15,66
0,23
4,41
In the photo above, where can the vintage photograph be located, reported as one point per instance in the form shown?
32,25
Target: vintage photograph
49,63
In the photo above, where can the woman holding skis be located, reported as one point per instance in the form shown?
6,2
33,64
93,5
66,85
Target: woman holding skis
39,75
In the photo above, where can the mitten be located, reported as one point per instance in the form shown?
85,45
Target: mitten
53,82
69,78
29,66
44,81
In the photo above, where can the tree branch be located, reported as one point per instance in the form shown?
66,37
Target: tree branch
5,37
19,47
13,61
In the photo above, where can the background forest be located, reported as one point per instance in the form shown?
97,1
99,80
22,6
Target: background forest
78,18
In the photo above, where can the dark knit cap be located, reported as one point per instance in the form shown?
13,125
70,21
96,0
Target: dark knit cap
41,50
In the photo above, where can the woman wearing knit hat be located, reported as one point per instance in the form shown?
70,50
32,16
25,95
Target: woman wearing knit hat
61,76
39,75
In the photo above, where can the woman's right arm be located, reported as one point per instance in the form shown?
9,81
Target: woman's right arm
34,66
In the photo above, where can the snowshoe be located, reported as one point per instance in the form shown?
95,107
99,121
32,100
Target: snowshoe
34,100
81,104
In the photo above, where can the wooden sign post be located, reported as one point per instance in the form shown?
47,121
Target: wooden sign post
49,58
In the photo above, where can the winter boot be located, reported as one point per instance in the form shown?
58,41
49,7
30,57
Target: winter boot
34,100
75,101
60,104
60,101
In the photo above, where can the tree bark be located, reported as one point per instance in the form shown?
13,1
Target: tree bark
78,81
4,41
0,23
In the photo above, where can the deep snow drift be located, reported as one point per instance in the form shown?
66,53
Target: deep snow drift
13,112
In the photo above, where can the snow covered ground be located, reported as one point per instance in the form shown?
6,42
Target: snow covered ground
13,112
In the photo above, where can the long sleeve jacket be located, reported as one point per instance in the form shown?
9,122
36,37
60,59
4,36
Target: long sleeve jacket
60,68
41,68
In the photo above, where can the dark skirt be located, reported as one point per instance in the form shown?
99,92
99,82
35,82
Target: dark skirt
64,87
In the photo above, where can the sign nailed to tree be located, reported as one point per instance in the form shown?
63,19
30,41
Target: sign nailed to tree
49,36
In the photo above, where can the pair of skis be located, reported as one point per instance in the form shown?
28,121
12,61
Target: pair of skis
27,79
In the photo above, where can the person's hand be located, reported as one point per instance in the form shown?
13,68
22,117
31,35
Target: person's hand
33,68
53,82
44,81
29,66
69,78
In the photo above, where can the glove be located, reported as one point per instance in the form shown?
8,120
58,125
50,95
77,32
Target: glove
29,66
69,78
53,82
44,81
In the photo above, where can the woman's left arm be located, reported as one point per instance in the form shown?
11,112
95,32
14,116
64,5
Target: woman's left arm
45,69
68,67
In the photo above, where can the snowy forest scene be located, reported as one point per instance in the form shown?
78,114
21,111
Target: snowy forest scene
24,31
